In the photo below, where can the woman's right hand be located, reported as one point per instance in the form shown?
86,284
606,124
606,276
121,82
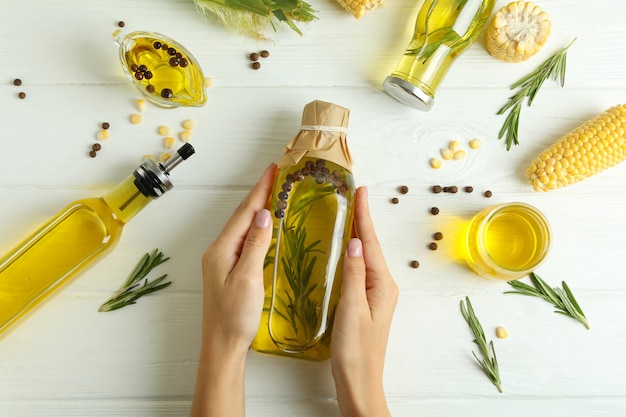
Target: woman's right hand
362,321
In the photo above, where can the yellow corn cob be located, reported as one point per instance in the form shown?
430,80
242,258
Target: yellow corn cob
517,31
359,7
593,147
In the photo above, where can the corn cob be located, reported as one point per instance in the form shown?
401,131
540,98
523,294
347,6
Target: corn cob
593,147
517,31
359,7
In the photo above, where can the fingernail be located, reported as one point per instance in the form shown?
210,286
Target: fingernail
262,219
355,248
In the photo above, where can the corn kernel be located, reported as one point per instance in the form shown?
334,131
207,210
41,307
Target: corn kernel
164,130
185,135
435,163
458,155
141,105
453,146
102,134
475,143
136,119
208,82
189,124
165,156
446,154
501,332
169,142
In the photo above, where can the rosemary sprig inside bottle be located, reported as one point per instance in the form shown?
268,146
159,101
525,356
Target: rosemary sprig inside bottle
296,305
554,68
489,362
132,288
561,298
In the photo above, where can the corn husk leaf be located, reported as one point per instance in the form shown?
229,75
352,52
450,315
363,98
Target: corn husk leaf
252,18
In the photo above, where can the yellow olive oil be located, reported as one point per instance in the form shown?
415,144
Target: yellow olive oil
313,209
443,30
163,70
74,239
507,241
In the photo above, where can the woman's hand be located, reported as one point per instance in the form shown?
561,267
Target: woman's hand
232,269
362,321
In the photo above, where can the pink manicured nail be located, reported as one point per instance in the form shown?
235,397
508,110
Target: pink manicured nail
262,219
355,248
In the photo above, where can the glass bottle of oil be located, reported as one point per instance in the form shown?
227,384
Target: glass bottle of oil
77,237
443,30
312,203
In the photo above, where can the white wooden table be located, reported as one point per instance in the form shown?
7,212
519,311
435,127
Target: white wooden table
70,360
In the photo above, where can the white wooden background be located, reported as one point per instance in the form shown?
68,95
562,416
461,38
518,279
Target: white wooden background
70,360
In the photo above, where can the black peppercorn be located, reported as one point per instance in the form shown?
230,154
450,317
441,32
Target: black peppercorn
121,23
142,68
167,93
404,189
183,62
265,53
319,179
437,189
432,246
92,153
434,211
17,82
281,204
283,195
150,88
147,75
21,95
157,45
286,187
96,147
164,46
279,213
254,56
173,61
395,200
468,189
488,194
256,65
438,236
415,264
105,125
171,51
134,68
139,76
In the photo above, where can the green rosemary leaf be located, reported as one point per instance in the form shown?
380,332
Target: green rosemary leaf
529,85
545,290
132,289
561,298
489,361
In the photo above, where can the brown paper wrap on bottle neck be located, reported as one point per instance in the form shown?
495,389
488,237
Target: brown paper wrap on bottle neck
323,135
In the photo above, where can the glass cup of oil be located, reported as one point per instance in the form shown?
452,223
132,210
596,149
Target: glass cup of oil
163,70
507,241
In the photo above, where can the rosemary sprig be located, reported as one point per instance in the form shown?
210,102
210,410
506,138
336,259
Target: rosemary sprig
132,288
554,68
561,298
489,362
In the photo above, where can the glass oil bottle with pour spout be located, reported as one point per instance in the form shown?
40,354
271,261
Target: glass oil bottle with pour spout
77,237
443,30
312,203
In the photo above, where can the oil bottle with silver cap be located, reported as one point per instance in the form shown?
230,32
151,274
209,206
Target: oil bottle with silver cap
77,237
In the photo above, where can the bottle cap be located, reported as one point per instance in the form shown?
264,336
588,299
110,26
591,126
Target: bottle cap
153,179
408,94
323,135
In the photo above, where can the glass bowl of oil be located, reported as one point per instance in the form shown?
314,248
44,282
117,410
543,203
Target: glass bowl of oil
163,70
507,241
